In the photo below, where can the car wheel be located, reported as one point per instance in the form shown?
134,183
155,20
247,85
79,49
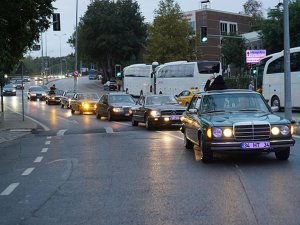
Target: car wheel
149,124
109,116
72,111
62,105
133,122
283,154
275,102
98,115
187,143
206,153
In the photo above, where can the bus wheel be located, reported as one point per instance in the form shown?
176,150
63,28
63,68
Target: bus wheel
275,102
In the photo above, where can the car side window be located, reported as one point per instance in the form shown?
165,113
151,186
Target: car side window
193,103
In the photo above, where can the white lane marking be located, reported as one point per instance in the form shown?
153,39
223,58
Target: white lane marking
47,142
44,150
180,138
49,137
61,132
10,189
20,130
38,159
109,130
126,124
28,117
28,171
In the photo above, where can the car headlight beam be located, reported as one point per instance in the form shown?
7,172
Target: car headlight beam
275,131
155,113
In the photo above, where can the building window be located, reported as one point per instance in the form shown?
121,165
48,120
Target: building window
228,28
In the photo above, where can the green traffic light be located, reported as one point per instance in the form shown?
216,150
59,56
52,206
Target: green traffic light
204,39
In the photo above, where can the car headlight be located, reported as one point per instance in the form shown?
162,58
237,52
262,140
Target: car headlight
217,132
284,130
227,132
52,98
275,130
155,113
14,90
85,105
43,94
117,109
33,94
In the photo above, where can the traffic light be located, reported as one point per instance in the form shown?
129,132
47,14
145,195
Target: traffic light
56,21
253,70
203,35
118,72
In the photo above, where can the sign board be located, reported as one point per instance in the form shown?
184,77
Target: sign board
76,73
254,56
36,47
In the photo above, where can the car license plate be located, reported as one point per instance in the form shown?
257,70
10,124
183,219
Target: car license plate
175,117
255,145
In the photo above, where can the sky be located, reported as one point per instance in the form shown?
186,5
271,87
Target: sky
55,42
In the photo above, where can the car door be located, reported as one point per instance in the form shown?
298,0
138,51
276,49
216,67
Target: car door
103,105
193,124
74,101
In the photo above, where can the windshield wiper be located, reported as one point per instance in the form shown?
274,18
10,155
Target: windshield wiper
215,111
253,110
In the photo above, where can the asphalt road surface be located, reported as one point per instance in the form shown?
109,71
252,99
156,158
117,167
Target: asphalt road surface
77,170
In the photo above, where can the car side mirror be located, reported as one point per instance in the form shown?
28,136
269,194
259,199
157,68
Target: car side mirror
193,111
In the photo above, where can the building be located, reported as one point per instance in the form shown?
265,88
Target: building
218,24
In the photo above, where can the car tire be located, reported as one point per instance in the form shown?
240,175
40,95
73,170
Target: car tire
62,105
98,115
72,111
206,153
187,143
148,123
109,116
133,122
283,154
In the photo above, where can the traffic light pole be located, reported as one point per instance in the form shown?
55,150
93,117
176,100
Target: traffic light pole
287,68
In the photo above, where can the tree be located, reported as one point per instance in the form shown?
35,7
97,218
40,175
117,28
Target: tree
233,49
111,33
170,36
271,29
253,8
21,23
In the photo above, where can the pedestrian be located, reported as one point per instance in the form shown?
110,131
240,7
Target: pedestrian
251,86
52,89
215,83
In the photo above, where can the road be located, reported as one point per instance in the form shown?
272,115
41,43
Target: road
88,171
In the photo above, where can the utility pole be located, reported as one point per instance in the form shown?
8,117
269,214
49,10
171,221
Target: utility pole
76,53
287,68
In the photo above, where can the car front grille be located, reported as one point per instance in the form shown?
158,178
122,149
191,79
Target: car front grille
171,112
252,130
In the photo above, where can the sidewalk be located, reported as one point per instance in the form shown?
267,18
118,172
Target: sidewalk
12,126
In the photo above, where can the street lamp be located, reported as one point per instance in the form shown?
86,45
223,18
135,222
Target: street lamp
60,51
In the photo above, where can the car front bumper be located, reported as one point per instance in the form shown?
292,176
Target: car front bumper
236,145
165,121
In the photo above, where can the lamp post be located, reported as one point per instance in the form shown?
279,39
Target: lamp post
76,54
59,36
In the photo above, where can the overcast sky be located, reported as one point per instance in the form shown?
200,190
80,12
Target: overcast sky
67,10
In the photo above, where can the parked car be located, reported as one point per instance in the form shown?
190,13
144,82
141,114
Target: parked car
157,111
9,90
186,96
235,121
115,106
19,84
36,93
110,85
84,102
54,96
66,98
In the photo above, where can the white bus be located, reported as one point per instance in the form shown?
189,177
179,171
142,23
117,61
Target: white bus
174,77
272,70
138,79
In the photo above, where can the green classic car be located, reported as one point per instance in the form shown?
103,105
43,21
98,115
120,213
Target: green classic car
235,121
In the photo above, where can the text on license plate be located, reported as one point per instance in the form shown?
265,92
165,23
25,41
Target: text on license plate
175,117
256,144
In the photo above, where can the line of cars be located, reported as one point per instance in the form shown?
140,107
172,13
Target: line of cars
215,121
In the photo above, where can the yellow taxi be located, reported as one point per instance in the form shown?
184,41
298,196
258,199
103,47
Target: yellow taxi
185,96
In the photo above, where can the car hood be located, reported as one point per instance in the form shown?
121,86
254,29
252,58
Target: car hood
89,100
37,92
123,105
8,89
228,119
166,107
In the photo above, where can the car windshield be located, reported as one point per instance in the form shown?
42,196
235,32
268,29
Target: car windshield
18,82
228,102
8,86
121,99
36,89
161,100
59,92
91,96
